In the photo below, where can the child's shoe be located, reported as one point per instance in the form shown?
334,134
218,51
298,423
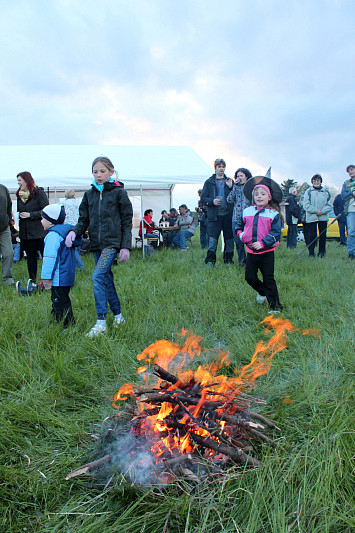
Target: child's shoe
274,311
118,320
21,290
260,299
98,329
31,286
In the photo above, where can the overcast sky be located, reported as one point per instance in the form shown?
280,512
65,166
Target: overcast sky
259,83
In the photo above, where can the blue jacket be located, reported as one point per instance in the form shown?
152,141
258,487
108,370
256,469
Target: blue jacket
58,259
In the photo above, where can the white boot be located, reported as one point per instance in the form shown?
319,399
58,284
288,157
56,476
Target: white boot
260,299
118,320
98,329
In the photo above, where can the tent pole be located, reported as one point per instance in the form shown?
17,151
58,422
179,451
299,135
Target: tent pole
142,221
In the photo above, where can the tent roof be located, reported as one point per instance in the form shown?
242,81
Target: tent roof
155,167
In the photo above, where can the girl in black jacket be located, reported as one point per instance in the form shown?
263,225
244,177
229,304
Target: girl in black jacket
107,213
30,202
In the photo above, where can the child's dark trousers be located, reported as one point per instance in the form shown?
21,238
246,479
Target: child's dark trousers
265,263
61,305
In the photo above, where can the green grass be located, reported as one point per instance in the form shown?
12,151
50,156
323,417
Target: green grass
56,389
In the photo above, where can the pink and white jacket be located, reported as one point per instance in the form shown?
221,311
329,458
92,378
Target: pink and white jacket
259,225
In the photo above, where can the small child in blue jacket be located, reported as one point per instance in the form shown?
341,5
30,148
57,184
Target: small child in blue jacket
58,269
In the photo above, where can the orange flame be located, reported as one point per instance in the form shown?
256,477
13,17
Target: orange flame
173,357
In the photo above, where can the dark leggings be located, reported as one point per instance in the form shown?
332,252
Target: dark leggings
31,247
265,263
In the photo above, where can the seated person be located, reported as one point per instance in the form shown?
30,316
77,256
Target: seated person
149,226
172,218
164,216
15,242
169,235
185,223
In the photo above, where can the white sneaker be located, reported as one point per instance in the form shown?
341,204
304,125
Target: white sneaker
118,320
274,311
98,329
260,299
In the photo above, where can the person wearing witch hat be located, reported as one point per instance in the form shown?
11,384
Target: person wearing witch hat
219,213
259,228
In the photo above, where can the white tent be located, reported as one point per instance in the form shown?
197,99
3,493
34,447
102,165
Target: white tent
149,173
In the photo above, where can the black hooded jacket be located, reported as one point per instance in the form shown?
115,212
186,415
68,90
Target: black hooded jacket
108,217
209,193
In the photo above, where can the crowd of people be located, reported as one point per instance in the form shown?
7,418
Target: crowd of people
245,209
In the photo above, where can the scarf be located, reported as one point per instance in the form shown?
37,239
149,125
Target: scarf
24,195
99,187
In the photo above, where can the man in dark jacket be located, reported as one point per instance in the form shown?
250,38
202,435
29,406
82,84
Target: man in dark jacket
338,208
219,213
6,251
292,215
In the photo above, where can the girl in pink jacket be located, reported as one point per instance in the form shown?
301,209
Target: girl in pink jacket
260,229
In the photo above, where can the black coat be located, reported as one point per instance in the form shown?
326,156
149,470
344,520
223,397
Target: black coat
292,209
107,216
209,193
5,208
31,228
338,207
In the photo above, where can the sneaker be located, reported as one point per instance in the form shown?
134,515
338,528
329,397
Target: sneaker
183,249
260,299
21,290
98,329
118,320
274,311
31,285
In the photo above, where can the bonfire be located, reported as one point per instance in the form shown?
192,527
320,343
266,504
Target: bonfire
188,422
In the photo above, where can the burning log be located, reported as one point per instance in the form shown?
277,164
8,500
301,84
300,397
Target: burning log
234,453
194,422
165,375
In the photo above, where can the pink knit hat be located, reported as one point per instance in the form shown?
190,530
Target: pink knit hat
265,187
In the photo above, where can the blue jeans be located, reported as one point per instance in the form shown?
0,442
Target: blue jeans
17,252
180,239
104,286
350,224
240,249
292,236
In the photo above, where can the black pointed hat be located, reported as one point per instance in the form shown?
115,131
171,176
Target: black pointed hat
274,187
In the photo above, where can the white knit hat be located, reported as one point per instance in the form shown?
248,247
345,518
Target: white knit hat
55,213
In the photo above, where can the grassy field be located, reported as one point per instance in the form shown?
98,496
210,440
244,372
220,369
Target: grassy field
56,389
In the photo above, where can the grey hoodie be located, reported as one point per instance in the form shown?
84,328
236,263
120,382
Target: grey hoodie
186,222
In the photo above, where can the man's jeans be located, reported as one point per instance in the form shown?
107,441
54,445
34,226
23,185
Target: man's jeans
242,257
180,239
104,287
342,233
203,234
350,223
292,236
